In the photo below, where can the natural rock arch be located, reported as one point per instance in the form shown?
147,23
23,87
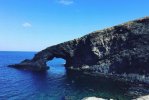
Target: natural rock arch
115,51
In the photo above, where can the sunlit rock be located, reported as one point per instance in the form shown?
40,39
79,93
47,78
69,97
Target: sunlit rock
120,52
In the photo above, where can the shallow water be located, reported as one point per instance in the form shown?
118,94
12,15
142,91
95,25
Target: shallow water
54,84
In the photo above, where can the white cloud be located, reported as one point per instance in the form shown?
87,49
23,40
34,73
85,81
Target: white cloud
66,2
26,25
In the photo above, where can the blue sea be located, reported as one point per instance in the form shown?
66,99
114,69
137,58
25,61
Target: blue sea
54,84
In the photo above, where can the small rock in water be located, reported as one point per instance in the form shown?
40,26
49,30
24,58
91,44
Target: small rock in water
67,84
72,81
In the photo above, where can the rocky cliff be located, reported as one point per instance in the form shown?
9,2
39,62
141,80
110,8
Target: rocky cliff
121,52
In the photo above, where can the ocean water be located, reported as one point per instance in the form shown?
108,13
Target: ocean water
55,84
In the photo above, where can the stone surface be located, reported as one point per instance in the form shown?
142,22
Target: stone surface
120,52
142,98
94,98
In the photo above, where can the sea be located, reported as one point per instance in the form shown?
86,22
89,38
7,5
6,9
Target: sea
53,84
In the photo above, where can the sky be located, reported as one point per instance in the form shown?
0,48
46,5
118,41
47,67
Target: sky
33,25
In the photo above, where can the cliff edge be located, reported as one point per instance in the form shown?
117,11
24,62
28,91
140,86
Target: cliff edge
121,51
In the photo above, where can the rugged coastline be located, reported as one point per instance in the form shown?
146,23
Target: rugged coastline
120,52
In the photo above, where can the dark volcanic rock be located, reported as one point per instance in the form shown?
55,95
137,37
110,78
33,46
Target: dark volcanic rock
121,52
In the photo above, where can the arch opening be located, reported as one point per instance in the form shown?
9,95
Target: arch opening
57,65
56,61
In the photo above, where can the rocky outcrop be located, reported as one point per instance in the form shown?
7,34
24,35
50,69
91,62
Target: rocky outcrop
142,98
120,52
94,98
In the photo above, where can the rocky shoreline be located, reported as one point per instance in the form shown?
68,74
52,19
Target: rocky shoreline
120,52
95,98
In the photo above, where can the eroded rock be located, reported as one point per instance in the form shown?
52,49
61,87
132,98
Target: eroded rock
120,52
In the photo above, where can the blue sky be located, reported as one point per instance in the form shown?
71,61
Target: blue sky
32,25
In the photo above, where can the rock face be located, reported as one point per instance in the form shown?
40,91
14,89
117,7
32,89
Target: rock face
94,98
142,98
121,51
